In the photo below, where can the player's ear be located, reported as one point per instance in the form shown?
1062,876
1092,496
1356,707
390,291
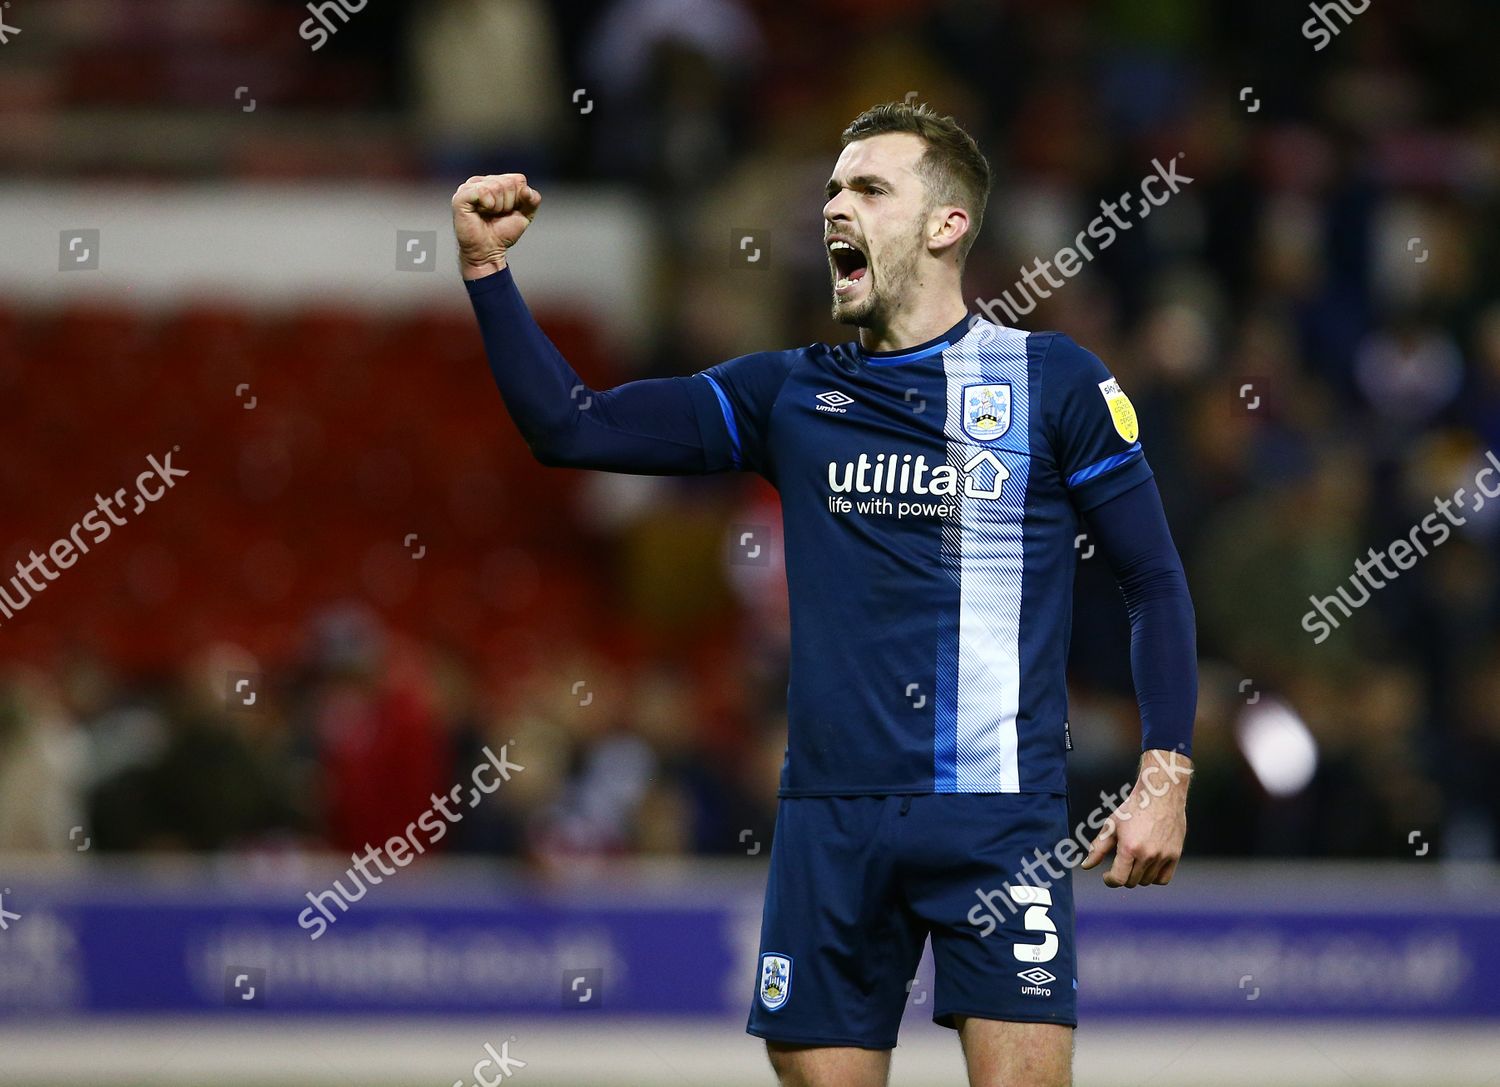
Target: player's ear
946,227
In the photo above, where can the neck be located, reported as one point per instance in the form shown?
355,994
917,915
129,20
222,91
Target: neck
926,318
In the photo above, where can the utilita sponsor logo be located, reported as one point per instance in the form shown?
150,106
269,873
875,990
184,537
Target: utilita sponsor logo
904,474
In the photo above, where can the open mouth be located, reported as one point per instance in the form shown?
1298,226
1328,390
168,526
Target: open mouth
850,264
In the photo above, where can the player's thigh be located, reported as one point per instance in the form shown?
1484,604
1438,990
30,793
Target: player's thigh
1000,1054
829,1066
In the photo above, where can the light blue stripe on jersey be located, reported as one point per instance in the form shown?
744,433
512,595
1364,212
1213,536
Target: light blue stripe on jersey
978,682
734,430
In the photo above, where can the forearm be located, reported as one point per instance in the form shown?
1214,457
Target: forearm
534,380
1164,660
1134,538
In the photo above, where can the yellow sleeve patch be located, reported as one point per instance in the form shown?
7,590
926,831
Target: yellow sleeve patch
1121,410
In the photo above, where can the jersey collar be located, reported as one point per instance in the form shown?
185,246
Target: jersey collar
921,351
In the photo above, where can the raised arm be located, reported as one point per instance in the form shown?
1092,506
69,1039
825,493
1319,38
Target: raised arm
661,426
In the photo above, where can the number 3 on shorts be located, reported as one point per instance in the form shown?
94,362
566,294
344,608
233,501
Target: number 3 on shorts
1036,900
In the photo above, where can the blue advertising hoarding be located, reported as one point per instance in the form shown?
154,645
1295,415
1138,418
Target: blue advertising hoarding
448,943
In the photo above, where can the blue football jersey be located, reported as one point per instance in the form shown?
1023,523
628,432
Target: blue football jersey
931,503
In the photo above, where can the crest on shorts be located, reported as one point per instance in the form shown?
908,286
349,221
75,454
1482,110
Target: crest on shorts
775,980
986,411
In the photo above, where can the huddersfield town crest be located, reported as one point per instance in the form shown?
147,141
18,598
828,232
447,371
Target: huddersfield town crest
775,980
986,411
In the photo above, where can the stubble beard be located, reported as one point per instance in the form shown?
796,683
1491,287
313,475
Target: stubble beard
873,310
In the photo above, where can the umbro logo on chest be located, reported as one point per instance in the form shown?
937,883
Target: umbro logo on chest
834,401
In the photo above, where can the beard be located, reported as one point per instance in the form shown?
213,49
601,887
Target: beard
880,299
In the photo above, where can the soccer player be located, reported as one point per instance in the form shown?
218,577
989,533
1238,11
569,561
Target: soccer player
934,474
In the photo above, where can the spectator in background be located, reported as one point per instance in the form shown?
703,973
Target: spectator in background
489,92
209,776
1483,407
43,765
1475,831
367,708
671,77
1409,373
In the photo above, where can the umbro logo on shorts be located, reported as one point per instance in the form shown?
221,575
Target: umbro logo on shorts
1037,981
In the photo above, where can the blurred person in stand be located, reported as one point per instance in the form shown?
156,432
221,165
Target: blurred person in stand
578,705
670,78
365,705
1373,789
1474,832
1482,405
1262,556
496,826
43,766
488,85
209,775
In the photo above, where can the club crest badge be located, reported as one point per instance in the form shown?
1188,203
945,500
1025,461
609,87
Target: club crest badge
775,980
986,411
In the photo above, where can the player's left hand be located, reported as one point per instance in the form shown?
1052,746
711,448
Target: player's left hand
1146,832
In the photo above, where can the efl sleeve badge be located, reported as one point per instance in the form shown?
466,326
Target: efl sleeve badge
1121,410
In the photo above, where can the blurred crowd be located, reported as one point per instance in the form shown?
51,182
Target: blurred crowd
363,734
1307,329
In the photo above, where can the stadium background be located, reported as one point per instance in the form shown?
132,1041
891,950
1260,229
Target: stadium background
364,580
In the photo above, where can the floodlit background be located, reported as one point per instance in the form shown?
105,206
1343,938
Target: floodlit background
224,237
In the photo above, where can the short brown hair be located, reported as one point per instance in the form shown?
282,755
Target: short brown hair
955,170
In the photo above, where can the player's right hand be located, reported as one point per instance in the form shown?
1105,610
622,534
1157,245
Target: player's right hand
489,216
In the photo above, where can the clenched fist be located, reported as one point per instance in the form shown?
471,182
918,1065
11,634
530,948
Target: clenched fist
489,216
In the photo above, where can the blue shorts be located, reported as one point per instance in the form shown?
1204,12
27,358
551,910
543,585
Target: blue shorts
857,884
